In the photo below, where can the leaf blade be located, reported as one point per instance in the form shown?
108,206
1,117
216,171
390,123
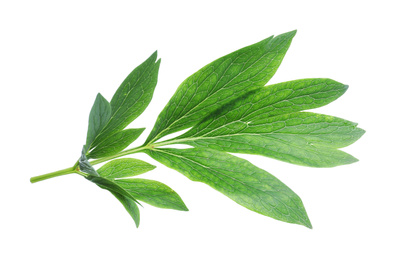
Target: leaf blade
282,98
123,168
301,138
99,116
218,82
115,143
149,191
133,96
153,192
238,179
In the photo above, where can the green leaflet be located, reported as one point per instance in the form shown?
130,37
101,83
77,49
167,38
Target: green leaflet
132,97
115,143
238,179
265,122
153,192
126,198
301,138
219,83
130,206
121,194
122,168
99,116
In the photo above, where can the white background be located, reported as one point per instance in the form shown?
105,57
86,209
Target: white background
55,56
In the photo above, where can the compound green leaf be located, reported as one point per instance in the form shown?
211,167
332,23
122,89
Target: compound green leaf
115,143
238,179
153,192
123,168
132,97
220,82
228,109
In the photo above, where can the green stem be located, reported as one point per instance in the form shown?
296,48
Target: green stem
74,168
101,160
120,154
138,149
53,174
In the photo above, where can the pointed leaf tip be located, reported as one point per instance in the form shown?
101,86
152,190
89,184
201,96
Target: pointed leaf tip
290,34
293,32
154,55
308,224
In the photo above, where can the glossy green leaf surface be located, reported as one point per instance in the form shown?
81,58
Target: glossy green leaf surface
238,179
265,122
99,116
220,82
132,97
122,168
115,143
153,192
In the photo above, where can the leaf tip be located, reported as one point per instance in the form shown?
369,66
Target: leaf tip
289,34
308,224
154,57
99,96
184,208
361,131
304,220
354,160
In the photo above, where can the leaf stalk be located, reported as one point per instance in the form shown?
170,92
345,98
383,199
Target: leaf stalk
74,169
53,174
